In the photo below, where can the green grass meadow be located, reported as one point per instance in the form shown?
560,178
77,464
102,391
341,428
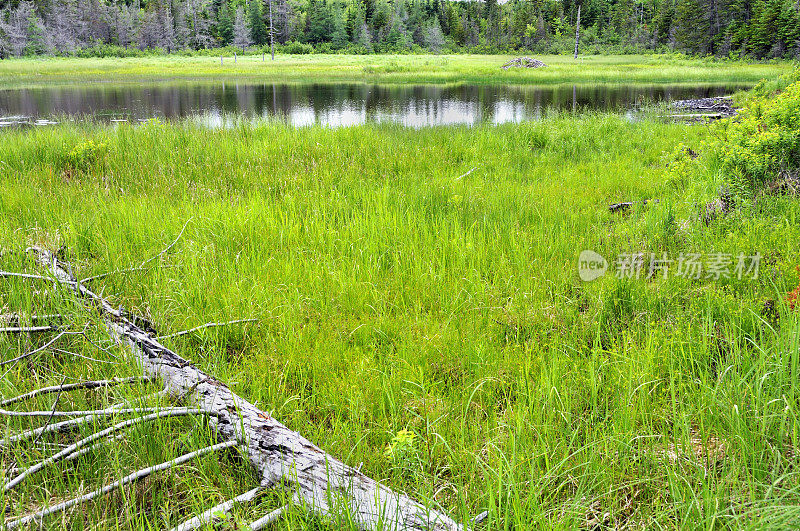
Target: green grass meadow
481,69
422,280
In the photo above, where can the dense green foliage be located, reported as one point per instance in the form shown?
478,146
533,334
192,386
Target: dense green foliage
755,153
425,320
757,28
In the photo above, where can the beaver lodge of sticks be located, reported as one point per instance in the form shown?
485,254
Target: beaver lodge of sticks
523,62
703,109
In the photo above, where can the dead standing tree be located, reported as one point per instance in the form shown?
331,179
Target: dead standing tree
280,456
577,31
271,33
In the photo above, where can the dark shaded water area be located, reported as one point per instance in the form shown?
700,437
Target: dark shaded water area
217,104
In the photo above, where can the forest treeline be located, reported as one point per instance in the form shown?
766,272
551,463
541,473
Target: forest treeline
753,28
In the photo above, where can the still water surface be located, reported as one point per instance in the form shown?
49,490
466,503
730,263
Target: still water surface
216,104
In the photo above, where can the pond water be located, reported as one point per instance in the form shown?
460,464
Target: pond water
216,104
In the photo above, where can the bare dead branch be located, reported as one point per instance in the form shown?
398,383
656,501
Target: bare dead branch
466,174
31,277
108,412
55,406
212,514
141,399
268,519
108,274
117,484
117,272
32,352
59,427
207,325
86,450
480,518
168,247
83,356
98,347
15,318
26,329
16,360
175,412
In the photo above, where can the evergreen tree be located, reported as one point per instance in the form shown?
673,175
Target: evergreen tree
369,10
198,24
5,48
380,20
255,21
756,28
663,23
317,21
15,28
166,37
352,23
241,33
225,23
434,37
693,27
125,26
339,37
491,14
789,34
398,37
149,30
364,38
61,27
38,42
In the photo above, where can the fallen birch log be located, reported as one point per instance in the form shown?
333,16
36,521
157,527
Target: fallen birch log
280,455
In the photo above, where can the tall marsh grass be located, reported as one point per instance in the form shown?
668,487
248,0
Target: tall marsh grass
396,290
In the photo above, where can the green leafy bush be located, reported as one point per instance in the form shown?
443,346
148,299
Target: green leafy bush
86,156
110,50
297,48
402,453
751,153
763,143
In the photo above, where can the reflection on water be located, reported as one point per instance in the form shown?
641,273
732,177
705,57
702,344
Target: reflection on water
332,104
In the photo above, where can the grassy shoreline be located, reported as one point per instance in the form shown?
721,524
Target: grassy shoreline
398,290
641,69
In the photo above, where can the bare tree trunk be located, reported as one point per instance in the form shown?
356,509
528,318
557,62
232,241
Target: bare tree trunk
574,95
271,32
577,31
